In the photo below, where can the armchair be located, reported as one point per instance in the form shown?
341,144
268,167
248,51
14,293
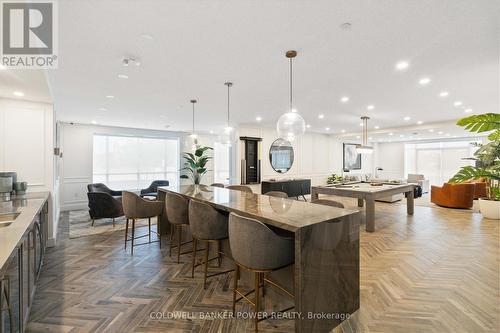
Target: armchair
152,189
104,205
453,195
420,180
100,187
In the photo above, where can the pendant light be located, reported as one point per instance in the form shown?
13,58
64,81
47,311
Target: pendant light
228,130
291,124
193,135
364,148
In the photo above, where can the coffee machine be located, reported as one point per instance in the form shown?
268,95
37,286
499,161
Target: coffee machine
7,180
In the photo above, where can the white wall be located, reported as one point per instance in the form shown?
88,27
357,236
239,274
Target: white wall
316,156
77,148
390,156
27,142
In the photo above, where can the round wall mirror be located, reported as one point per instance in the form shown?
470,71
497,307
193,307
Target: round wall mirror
281,155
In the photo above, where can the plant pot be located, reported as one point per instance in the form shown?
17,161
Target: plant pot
490,209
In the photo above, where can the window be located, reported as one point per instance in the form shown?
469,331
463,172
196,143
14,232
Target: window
124,162
221,163
438,161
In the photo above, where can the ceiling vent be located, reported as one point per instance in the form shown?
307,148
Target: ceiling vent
129,61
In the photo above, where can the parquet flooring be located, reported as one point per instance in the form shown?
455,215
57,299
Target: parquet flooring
436,271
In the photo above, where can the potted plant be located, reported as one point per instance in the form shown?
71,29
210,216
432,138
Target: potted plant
195,164
487,159
334,178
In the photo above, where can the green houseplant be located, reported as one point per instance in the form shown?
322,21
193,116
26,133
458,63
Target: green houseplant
487,159
195,164
333,178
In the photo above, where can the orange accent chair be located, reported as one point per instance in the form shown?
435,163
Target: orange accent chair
453,195
480,189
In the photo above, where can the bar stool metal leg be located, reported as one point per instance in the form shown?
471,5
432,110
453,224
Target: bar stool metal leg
149,229
126,234
257,294
195,243
133,236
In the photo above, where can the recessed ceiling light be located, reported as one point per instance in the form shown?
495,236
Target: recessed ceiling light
258,118
457,103
327,128
370,107
211,132
2,67
377,127
402,65
343,131
443,94
344,99
391,134
110,96
440,132
18,93
420,122
469,110
321,116
424,81
94,122
101,109
357,137
147,36
431,130
122,76
361,124
370,138
406,118
308,125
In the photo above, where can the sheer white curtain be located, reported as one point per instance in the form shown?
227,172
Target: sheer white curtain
438,161
125,162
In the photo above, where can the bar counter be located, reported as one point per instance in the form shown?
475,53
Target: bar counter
325,276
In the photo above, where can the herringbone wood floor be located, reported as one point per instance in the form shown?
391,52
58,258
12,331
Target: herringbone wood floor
437,271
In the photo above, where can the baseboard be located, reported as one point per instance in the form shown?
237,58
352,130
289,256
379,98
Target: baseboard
74,206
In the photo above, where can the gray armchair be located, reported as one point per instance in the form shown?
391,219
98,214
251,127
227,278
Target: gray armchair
419,180
104,205
100,187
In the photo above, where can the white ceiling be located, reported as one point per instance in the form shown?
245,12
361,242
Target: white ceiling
32,83
198,45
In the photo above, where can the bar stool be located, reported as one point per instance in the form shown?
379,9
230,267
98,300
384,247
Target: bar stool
135,207
258,249
209,226
277,194
242,188
217,185
5,293
326,202
178,216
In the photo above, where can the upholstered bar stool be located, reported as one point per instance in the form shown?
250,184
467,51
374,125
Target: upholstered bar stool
217,185
207,226
242,188
135,208
178,216
277,194
326,202
258,249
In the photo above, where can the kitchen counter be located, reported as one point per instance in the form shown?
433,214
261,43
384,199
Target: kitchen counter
29,206
325,277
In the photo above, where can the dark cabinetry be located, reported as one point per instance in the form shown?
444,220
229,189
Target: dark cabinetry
250,163
292,187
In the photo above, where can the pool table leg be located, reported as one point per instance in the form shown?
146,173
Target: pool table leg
370,214
410,202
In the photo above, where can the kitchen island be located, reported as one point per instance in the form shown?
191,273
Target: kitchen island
23,237
325,277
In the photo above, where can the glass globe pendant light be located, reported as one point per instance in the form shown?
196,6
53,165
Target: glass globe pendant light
193,136
291,124
228,137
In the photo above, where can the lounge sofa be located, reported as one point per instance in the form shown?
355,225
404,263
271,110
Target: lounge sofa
104,202
453,195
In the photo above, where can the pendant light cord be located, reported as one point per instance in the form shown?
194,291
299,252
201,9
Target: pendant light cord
228,86
291,86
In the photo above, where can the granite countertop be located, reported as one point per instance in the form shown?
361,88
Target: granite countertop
28,206
286,214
